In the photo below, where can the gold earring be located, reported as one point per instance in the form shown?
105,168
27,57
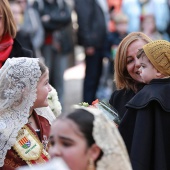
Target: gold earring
91,165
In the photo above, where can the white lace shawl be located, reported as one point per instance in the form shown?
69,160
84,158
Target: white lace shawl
18,85
107,137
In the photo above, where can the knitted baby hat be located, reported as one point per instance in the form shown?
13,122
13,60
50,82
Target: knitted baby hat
158,52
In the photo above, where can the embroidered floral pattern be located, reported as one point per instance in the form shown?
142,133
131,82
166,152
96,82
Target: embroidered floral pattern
107,137
19,77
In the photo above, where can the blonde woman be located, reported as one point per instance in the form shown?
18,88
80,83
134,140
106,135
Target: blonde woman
9,46
126,75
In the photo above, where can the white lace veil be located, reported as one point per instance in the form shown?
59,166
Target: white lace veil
18,82
107,137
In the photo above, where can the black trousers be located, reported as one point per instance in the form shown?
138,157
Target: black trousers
92,75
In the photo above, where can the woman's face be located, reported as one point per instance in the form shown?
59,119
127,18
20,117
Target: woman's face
43,88
133,63
68,142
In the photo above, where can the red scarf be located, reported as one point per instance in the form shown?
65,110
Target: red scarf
5,48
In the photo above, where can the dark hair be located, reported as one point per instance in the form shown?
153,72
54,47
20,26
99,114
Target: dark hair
43,67
140,53
84,120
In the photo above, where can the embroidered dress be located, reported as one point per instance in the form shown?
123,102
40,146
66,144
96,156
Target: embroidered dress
12,159
19,78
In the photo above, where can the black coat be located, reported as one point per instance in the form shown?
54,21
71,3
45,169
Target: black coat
112,39
60,15
19,51
92,25
145,127
119,99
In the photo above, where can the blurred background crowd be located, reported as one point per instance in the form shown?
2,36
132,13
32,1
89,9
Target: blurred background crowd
77,39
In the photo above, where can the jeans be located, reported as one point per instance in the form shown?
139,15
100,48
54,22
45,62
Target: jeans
57,64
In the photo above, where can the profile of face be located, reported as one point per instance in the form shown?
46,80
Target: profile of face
69,143
43,88
132,61
147,70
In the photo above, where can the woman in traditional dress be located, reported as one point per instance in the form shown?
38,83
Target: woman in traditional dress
86,140
25,117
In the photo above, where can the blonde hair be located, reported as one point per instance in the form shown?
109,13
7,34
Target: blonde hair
8,19
121,75
120,18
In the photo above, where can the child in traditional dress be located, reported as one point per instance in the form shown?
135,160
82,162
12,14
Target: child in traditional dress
25,117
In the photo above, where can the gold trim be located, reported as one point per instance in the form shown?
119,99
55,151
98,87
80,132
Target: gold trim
28,145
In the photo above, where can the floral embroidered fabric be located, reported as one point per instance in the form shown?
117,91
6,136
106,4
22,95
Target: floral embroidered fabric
19,77
107,137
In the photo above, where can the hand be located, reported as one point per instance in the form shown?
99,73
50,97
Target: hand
45,18
89,50
57,46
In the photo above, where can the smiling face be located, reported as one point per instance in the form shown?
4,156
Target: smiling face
68,142
43,88
133,63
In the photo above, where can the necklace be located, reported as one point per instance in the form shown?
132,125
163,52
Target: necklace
29,122
29,116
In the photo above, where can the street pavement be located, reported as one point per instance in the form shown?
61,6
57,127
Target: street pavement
73,80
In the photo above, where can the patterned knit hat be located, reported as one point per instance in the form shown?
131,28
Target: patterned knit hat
158,52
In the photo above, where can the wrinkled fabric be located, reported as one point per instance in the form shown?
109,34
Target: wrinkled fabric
145,127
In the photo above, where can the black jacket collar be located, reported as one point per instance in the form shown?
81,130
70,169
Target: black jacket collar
158,90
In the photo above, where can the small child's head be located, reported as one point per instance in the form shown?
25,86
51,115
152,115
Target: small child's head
155,60
148,23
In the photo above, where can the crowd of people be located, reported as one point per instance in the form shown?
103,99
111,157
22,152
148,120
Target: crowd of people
35,42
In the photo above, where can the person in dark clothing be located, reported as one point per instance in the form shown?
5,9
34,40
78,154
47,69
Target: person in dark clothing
18,50
145,126
127,79
112,41
9,46
57,46
114,38
92,21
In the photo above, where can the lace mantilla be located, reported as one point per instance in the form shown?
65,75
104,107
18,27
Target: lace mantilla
46,113
19,77
107,137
